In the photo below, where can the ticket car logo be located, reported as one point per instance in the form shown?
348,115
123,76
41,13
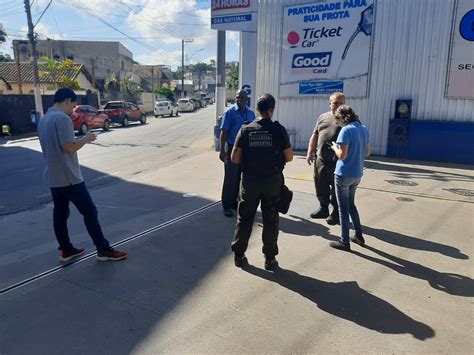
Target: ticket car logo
293,39
311,60
310,37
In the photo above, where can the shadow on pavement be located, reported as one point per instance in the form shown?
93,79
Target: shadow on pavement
302,227
406,241
405,172
348,301
21,179
453,284
94,307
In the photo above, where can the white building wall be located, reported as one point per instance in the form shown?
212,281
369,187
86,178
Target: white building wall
412,40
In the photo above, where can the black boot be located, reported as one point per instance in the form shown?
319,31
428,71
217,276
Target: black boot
271,264
333,219
240,260
323,212
340,245
358,239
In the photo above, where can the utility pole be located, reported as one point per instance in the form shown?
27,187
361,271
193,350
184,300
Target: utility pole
152,78
93,73
18,67
220,74
31,36
183,41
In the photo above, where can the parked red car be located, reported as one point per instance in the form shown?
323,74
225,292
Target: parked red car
85,118
123,112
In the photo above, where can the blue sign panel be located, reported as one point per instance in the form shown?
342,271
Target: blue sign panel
320,87
231,19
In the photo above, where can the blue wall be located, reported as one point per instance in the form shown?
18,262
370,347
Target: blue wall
431,140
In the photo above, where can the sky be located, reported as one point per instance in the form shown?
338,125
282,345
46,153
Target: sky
151,29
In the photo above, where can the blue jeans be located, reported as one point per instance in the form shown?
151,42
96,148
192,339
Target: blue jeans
345,193
79,196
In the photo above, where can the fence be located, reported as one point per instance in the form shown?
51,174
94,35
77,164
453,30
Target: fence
15,110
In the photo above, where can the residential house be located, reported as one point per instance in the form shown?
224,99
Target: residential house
100,58
9,79
153,76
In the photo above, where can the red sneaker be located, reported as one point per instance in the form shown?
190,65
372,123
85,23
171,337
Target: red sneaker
71,254
111,255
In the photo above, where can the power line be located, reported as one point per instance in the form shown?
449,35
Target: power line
46,9
56,22
11,5
122,16
153,8
110,25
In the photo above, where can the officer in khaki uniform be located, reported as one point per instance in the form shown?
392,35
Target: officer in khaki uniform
262,148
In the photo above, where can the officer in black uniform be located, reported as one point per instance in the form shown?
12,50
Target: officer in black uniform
262,147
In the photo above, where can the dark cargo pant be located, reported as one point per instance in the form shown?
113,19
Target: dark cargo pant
324,184
230,187
254,190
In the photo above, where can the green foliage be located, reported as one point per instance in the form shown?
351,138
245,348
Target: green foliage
121,89
167,92
200,68
5,58
112,84
69,83
129,89
234,78
3,34
57,70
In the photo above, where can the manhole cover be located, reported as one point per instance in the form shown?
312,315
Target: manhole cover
462,192
405,199
402,182
190,194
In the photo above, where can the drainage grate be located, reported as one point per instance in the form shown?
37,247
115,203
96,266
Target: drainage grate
462,192
405,199
402,182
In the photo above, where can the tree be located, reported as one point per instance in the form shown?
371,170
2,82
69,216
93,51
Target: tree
5,58
58,70
122,88
167,92
176,75
129,89
200,68
3,34
234,78
112,86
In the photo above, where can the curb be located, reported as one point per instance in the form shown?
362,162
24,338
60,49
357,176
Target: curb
12,140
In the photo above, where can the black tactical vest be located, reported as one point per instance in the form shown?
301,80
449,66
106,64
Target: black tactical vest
262,148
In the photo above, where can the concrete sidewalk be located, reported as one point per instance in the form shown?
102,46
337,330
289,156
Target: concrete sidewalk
409,291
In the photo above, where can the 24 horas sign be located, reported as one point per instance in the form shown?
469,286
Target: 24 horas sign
326,47
234,15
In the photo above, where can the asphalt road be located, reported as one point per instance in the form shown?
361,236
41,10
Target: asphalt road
115,155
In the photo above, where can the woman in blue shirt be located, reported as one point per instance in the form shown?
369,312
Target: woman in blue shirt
351,148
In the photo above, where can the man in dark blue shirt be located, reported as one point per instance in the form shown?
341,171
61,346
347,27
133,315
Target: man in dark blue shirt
232,120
